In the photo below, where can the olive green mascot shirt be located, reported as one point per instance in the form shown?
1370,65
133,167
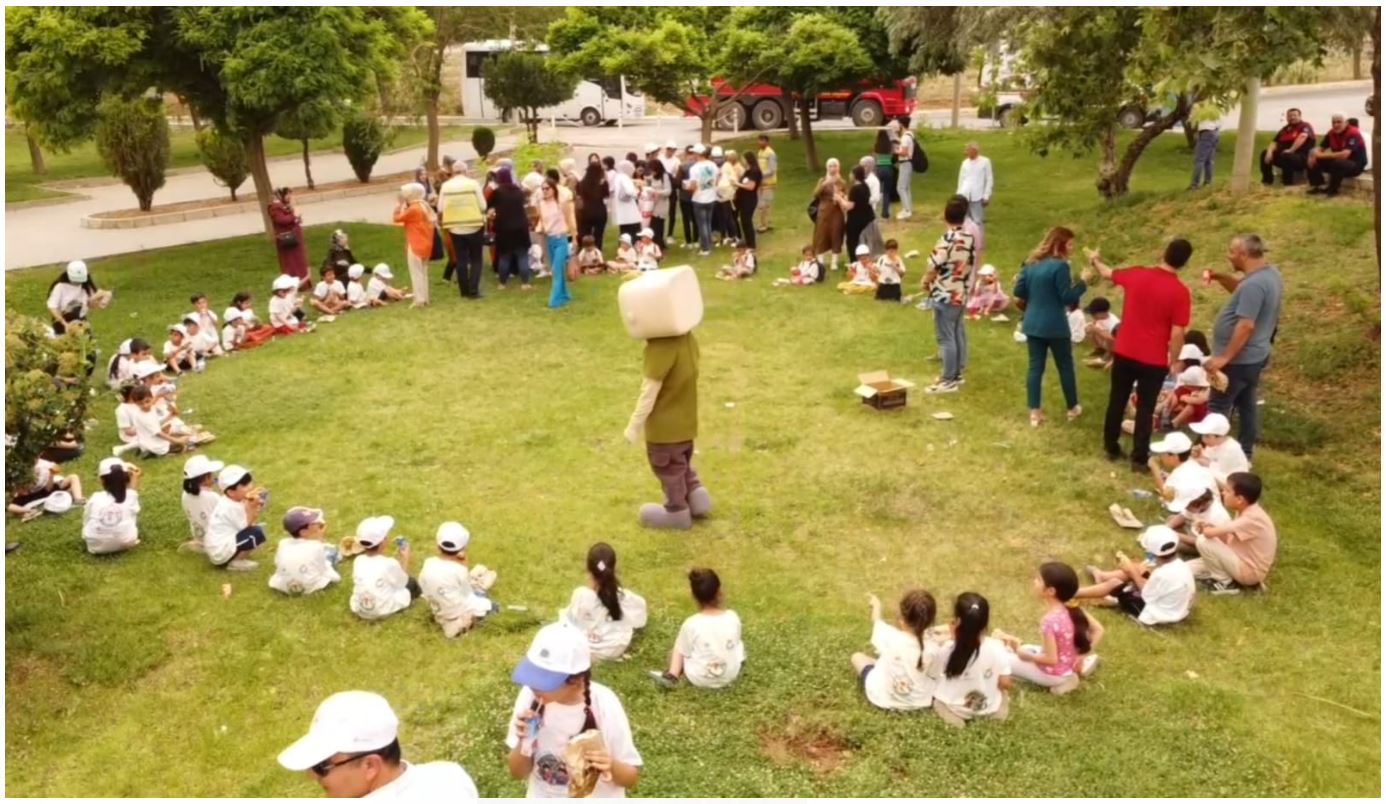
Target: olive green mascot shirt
674,363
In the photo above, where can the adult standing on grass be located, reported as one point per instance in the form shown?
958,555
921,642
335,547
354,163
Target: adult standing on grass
508,211
558,225
1046,286
830,225
352,749
975,183
949,278
592,192
662,185
747,198
702,186
859,215
1244,331
884,154
1148,342
462,212
769,163
288,237
625,200
904,153
417,217
671,162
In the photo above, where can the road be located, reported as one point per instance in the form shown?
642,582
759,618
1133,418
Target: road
53,234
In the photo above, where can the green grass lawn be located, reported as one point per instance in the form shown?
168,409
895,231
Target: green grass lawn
132,675
83,162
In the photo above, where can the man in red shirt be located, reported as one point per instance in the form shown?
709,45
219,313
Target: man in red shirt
1154,316
1289,150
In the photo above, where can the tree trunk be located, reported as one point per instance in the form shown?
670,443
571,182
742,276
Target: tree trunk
35,153
709,116
1244,156
259,173
1118,182
810,147
435,134
1106,168
957,99
307,166
196,121
791,120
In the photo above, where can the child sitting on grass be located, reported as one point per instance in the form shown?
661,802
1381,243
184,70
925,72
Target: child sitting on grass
193,325
304,562
1239,554
898,680
890,269
284,307
108,522
455,593
601,609
709,650
626,258
178,350
200,498
1154,594
1101,333
1171,466
1219,452
1194,504
381,585
589,258
120,372
861,275
210,344
329,295
357,297
1188,403
232,531
252,332
988,299
27,503
1069,635
154,433
807,272
647,252
379,286
743,264
975,674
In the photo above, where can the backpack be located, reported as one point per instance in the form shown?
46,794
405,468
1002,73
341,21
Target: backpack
918,159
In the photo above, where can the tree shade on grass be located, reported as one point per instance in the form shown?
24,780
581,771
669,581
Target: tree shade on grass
508,417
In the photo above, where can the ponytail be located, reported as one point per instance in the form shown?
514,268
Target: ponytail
973,614
115,482
917,610
193,485
601,564
1063,580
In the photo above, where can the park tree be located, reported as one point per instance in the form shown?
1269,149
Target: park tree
132,139
526,82
1086,63
306,122
224,157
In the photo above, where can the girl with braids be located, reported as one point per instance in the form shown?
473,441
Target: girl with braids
899,679
977,670
606,613
558,701
1069,634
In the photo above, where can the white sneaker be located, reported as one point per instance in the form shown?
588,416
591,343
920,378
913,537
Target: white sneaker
704,253
242,565
942,387
1088,666
903,216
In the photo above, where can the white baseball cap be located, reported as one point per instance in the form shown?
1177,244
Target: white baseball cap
109,465
284,282
863,250
59,502
77,271
716,151
146,368
124,348
231,475
625,238
673,146
699,149
1191,351
232,314
987,270
1175,443
1212,424
453,537
199,465
178,328
651,147
647,233
1184,494
383,270
1159,540
1194,377
356,271
373,530
346,723
558,651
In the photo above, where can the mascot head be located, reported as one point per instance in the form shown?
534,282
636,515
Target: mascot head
661,304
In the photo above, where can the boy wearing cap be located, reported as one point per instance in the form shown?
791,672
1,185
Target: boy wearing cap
357,297
1194,503
153,434
379,286
1218,451
108,521
381,584
558,701
1240,553
1171,466
231,536
1155,595
861,274
455,593
178,350
352,748
303,562
647,252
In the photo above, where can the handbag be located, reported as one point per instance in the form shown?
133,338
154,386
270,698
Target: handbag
437,253
813,209
286,240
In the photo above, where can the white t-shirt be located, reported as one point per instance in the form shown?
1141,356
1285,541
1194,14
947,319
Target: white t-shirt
704,176
1168,593
625,208
907,146
356,293
608,638
301,567
712,649
563,722
897,681
889,270
1226,458
1215,515
170,350
229,337
375,287
1077,326
447,586
978,688
322,290
125,420
228,518
66,297
380,587
281,312
198,508
1107,324
429,783
148,427
109,526
873,184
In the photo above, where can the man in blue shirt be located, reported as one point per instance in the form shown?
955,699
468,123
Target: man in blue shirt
1342,153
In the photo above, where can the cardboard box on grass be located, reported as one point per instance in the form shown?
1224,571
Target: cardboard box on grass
881,391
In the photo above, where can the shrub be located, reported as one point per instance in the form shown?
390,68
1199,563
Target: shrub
46,391
483,141
224,157
132,138
363,139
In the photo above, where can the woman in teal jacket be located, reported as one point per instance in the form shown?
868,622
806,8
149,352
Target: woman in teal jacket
1046,289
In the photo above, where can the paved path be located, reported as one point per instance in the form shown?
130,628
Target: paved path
50,234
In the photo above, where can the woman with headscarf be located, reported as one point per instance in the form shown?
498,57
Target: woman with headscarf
625,203
659,182
747,198
873,183
883,152
288,236
857,206
829,227
557,225
339,254
507,210
592,193
417,218
72,295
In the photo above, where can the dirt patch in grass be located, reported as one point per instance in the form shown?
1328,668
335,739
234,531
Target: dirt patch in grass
802,742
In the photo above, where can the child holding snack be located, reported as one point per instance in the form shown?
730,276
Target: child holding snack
861,275
898,680
200,498
743,264
108,521
1069,634
232,532
179,355
329,295
709,651
1218,451
647,252
608,614
304,562
589,259
1154,594
207,326
252,332
455,593
284,307
807,272
890,269
356,290
381,584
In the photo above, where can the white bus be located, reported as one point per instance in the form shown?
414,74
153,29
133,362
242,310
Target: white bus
596,101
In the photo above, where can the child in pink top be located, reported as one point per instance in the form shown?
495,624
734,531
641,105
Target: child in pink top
1068,633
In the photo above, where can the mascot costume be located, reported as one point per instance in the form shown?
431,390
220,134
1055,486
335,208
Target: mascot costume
662,308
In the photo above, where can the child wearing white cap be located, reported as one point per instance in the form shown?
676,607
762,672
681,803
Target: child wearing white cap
352,749
379,286
232,330
179,355
608,614
356,291
200,498
1218,451
1155,594
626,257
861,274
251,332
455,593
71,296
1194,505
285,310
154,435
988,299
28,501
1188,402
303,563
108,522
1171,466
559,703
709,651
232,531
647,251
381,584
743,265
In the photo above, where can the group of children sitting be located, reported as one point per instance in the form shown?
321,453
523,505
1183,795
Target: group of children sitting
644,254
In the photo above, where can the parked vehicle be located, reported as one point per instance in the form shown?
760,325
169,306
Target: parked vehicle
594,102
766,107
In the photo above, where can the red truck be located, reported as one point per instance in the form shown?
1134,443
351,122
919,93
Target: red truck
869,104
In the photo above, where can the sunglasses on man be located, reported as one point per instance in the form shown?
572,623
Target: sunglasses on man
327,765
